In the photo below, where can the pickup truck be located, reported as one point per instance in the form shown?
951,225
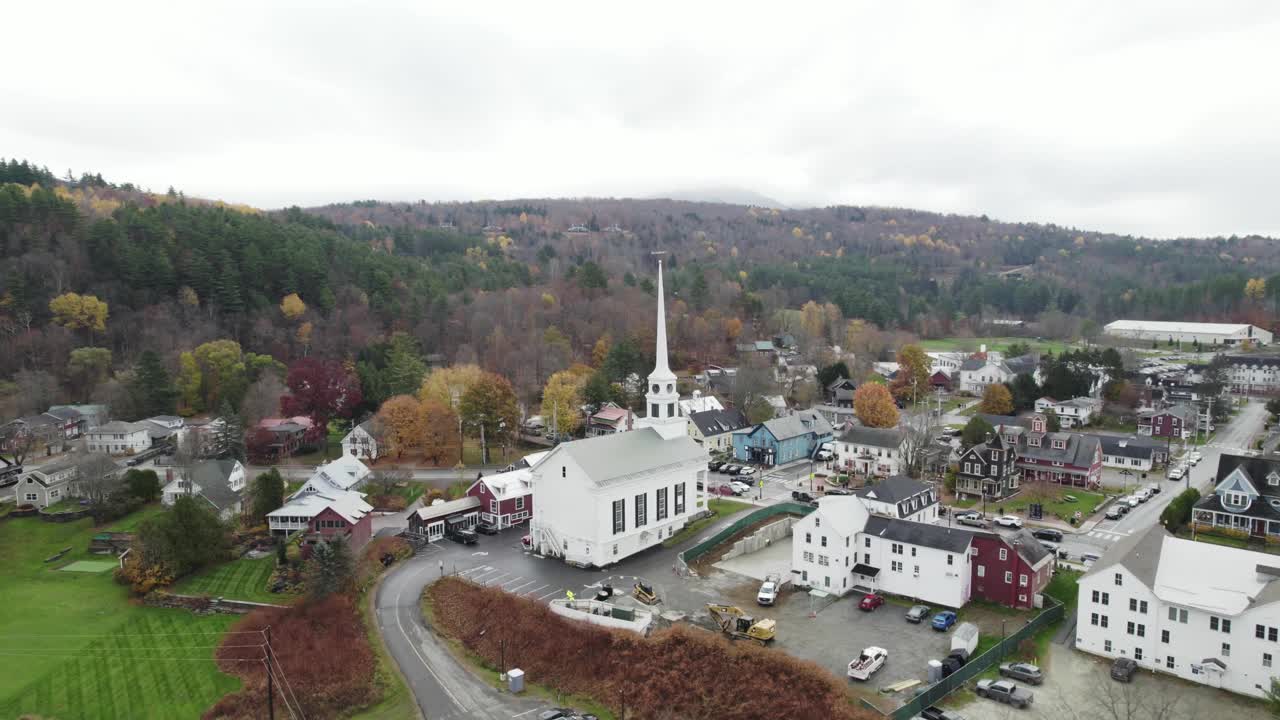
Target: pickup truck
1005,692
768,593
865,665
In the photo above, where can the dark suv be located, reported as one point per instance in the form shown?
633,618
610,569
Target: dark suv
1123,669
1048,534
460,533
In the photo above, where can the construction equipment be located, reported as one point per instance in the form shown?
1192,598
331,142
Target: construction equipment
737,624
645,594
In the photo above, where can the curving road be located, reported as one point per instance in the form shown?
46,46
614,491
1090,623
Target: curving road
443,689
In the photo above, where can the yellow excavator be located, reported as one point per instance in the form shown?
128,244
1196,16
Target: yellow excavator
737,624
645,594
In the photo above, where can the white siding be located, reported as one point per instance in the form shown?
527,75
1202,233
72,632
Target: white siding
921,573
808,553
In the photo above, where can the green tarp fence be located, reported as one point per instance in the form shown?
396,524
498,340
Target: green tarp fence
742,523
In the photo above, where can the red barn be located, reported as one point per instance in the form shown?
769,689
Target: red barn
1009,570
506,498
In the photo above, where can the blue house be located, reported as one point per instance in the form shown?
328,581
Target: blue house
783,440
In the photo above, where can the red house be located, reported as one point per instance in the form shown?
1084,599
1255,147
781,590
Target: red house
1178,421
940,380
1009,570
506,498
337,520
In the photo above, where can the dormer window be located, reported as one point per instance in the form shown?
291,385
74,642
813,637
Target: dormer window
1059,444
1034,441
1235,499
1273,479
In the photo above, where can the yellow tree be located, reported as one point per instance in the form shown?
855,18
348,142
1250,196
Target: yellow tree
405,423
1255,289
292,307
447,385
561,400
996,400
441,443
874,406
813,319
79,312
188,382
601,350
912,380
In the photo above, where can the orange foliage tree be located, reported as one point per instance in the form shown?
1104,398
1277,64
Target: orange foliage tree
874,406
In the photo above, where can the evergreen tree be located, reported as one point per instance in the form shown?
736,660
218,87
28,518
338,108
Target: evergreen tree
405,368
231,438
266,495
152,391
331,568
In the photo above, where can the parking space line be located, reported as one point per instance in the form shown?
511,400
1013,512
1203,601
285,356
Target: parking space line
491,581
477,576
470,570
553,592
518,587
527,593
517,578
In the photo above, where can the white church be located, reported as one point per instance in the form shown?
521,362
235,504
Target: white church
602,499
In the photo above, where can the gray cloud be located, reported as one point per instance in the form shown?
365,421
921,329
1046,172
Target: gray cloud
1151,118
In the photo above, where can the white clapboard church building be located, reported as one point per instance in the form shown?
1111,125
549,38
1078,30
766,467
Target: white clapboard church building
602,499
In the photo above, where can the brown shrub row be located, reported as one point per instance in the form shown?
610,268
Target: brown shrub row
321,647
677,673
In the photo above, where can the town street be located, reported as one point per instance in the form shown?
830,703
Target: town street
1235,437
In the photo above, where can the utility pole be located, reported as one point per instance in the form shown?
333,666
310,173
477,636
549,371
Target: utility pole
484,449
271,698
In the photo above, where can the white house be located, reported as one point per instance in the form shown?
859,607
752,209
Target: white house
871,451
916,560
1071,413
977,373
344,473
946,361
361,442
698,402
823,544
56,481
1203,612
605,498
1247,373
901,497
841,548
118,438
713,429
220,483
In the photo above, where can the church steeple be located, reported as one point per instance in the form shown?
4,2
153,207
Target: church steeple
662,399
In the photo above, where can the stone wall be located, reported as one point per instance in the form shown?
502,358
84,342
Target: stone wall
200,604
761,539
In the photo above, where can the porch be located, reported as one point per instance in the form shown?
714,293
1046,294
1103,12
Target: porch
1243,525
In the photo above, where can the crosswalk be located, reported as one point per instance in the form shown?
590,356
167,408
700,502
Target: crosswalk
1109,535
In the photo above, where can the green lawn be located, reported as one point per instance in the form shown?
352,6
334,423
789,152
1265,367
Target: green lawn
75,647
719,507
1086,503
131,522
993,343
242,579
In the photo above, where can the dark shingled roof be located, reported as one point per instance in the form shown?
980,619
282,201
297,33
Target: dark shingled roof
939,537
718,422
1125,447
875,437
893,489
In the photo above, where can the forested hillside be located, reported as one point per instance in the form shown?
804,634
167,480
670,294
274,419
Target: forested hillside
526,288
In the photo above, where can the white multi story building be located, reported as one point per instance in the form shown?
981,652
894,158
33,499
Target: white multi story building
599,500
871,451
1071,413
1203,612
362,442
901,497
977,373
118,438
1247,373
823,544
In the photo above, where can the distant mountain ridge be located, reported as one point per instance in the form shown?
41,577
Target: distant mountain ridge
726,195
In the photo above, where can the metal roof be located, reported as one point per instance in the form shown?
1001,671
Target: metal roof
1156,326
939,537
607,457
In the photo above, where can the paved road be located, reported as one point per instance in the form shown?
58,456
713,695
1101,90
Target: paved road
443,689
1235,437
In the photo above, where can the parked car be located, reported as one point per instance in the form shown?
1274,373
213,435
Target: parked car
748,470
730,469
1195,457
870,602
1132,501
944,620
487,528
917,613
838,491
1114,513
1052,547
1026,672
972,521
1009,521
459,534
1153,489
715,465
740,488
1047,534
1143,495
1176,474
801,496
1006,692
1123,669
768,593
937,713
1089,557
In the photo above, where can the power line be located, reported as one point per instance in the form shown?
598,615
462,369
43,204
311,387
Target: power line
267,663
271,655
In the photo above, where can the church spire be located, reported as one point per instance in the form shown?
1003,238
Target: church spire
660,368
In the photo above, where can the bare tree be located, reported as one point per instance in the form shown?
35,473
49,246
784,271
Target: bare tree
17,440
97,477
918,431
386,479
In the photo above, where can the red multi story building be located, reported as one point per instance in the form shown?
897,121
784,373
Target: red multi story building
1009,569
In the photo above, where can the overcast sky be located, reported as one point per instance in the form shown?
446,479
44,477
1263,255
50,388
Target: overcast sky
1150,118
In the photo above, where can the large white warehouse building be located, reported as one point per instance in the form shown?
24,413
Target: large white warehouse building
1187,332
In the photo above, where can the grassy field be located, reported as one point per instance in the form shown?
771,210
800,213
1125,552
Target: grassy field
131,522
719,507
1085,502
993,343
75,647
242,579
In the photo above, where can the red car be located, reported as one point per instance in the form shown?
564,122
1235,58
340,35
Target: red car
870,602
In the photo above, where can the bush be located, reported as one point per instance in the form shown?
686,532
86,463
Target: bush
678,672
370,565
1178,512
323,650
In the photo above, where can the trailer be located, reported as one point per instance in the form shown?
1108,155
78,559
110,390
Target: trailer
965,637
866,664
